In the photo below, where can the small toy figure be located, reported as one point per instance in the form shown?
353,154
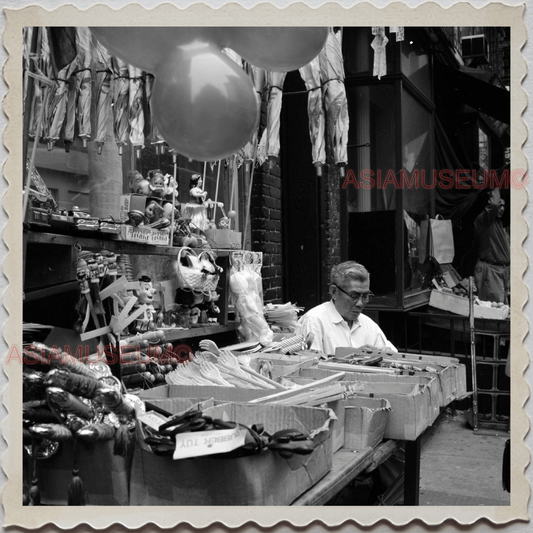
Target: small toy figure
137,184
145,295
196,208
153,211
212,313
156,183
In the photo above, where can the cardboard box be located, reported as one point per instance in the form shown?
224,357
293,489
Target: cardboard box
411,408
228,394
365,421
224,239
282,365
460,306
180,405
105,476
337,426
131,202
428,381
264,479
144,235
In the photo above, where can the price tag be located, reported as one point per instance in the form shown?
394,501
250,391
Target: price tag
199,443
152,419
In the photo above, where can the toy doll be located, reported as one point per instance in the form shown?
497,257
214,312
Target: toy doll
196,208
145,295
156,183
137,184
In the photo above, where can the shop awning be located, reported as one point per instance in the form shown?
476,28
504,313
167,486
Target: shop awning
475,90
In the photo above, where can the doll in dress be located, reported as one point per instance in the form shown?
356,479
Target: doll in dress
196,208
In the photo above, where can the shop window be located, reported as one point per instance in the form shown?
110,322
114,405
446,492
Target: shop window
371,149
414,62
417,183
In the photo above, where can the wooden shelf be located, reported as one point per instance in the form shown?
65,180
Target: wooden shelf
91,242
202,331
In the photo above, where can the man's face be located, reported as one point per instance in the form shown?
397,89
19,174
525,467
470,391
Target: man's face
350,308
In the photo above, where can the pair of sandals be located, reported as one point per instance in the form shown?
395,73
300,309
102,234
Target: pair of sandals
286,442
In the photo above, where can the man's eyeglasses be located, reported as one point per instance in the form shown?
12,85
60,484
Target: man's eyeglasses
355,296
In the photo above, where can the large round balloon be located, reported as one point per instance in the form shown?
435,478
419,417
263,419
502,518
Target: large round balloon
205,105
280,49
146,47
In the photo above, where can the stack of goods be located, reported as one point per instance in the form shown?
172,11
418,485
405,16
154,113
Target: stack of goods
145,360
282,318
450,293
215,367
65,401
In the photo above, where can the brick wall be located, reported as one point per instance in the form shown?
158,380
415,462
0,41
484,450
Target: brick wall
266,228
330,230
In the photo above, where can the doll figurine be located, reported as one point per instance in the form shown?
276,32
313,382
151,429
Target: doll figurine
137,184
145,295
156,183
196,208
153,211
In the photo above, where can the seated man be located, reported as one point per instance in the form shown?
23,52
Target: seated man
340,322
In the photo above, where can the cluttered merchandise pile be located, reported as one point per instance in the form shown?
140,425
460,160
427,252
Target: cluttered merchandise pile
268,416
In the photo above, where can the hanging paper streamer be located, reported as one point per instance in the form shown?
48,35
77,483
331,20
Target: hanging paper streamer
378,44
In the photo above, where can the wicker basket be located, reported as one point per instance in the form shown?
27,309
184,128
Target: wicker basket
192,273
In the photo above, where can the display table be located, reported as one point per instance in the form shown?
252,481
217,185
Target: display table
348,464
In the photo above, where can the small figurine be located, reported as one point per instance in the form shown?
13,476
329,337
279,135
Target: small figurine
212,311
196,208
137,184
145,295
153,211
156,183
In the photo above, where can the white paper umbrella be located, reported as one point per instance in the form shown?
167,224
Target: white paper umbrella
136,114
121,86
315,109
275,82
84,78
102,64
335,101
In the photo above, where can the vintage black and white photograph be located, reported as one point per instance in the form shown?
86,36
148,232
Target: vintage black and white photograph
267,265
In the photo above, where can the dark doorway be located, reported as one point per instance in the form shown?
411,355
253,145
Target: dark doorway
301,197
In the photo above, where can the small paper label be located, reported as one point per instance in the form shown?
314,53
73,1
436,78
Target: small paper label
199,443
151,419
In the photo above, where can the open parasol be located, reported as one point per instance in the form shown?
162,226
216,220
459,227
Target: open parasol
275,84
102,64
315,109
335,101
83,76
136,114
120,102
